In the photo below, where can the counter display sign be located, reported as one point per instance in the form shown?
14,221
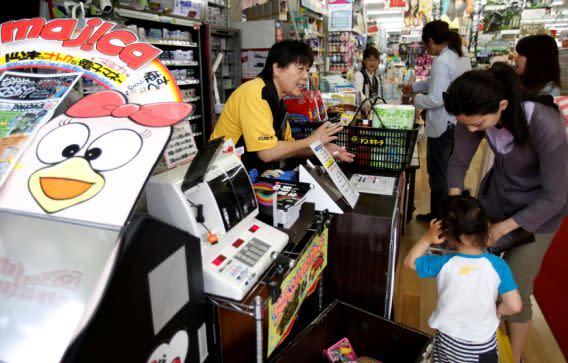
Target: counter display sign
298,284
90,163
335,173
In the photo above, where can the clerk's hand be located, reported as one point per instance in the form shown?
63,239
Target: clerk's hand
326,132
339,153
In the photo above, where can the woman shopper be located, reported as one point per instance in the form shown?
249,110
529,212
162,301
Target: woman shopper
450,63
528,184
537,64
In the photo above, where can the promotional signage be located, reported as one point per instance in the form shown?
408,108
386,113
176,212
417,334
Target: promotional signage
298,284
71,182
27,101
112,58
90,163
335,173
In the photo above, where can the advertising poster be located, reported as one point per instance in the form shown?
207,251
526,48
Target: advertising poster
457,13
26,102
89,164
340,16
416,14
300,283
181,148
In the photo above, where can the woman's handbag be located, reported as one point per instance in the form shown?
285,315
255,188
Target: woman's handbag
515,238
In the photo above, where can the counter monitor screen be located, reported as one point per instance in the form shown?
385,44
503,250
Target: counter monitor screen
198,167
234,195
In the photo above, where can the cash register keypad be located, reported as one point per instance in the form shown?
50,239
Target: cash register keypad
252,252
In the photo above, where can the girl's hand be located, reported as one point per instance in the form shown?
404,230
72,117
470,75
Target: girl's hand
435,235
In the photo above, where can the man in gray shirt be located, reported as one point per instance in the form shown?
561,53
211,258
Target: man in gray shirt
450,63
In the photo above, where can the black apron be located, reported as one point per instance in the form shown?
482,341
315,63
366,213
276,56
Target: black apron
373,86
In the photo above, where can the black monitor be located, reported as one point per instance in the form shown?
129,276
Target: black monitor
234,196
196,172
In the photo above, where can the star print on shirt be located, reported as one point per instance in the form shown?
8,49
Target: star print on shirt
466,270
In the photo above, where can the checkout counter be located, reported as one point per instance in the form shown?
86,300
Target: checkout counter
244,260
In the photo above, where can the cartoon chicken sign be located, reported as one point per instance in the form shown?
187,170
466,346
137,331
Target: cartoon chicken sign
91,162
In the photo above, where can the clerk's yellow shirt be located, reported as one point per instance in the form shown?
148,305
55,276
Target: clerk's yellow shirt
247,114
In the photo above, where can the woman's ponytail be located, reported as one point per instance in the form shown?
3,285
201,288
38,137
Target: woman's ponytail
513,117
455,42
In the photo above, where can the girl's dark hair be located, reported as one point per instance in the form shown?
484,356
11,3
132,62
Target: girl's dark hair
479,92
285,53
542,66
439,31
462,214
371,52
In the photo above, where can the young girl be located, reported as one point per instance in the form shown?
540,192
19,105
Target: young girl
526,186
469,282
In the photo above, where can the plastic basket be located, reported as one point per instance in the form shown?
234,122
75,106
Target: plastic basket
374,148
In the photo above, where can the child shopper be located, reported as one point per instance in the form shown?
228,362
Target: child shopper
469,282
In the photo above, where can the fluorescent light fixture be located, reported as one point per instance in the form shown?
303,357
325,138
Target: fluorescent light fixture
368,2
384,12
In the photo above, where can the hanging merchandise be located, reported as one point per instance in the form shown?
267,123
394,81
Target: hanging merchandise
502,19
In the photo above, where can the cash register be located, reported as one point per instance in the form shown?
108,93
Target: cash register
213,199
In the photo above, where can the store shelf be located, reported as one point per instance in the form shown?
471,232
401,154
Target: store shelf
209,3
510,31
172,43
312,35
148,16
494,7
180,63
191,99
181,33
185,82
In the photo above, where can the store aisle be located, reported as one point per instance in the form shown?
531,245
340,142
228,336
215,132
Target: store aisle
415,299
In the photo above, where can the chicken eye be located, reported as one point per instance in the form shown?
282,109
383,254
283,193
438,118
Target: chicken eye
113,149
62,143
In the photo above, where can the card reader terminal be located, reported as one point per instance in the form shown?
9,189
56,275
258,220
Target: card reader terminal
225,198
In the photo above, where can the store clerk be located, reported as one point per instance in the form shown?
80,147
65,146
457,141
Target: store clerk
254,116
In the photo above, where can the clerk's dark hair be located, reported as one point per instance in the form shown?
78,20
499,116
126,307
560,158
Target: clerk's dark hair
284,53
479,92
439,31
371,51
464,215
542,66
